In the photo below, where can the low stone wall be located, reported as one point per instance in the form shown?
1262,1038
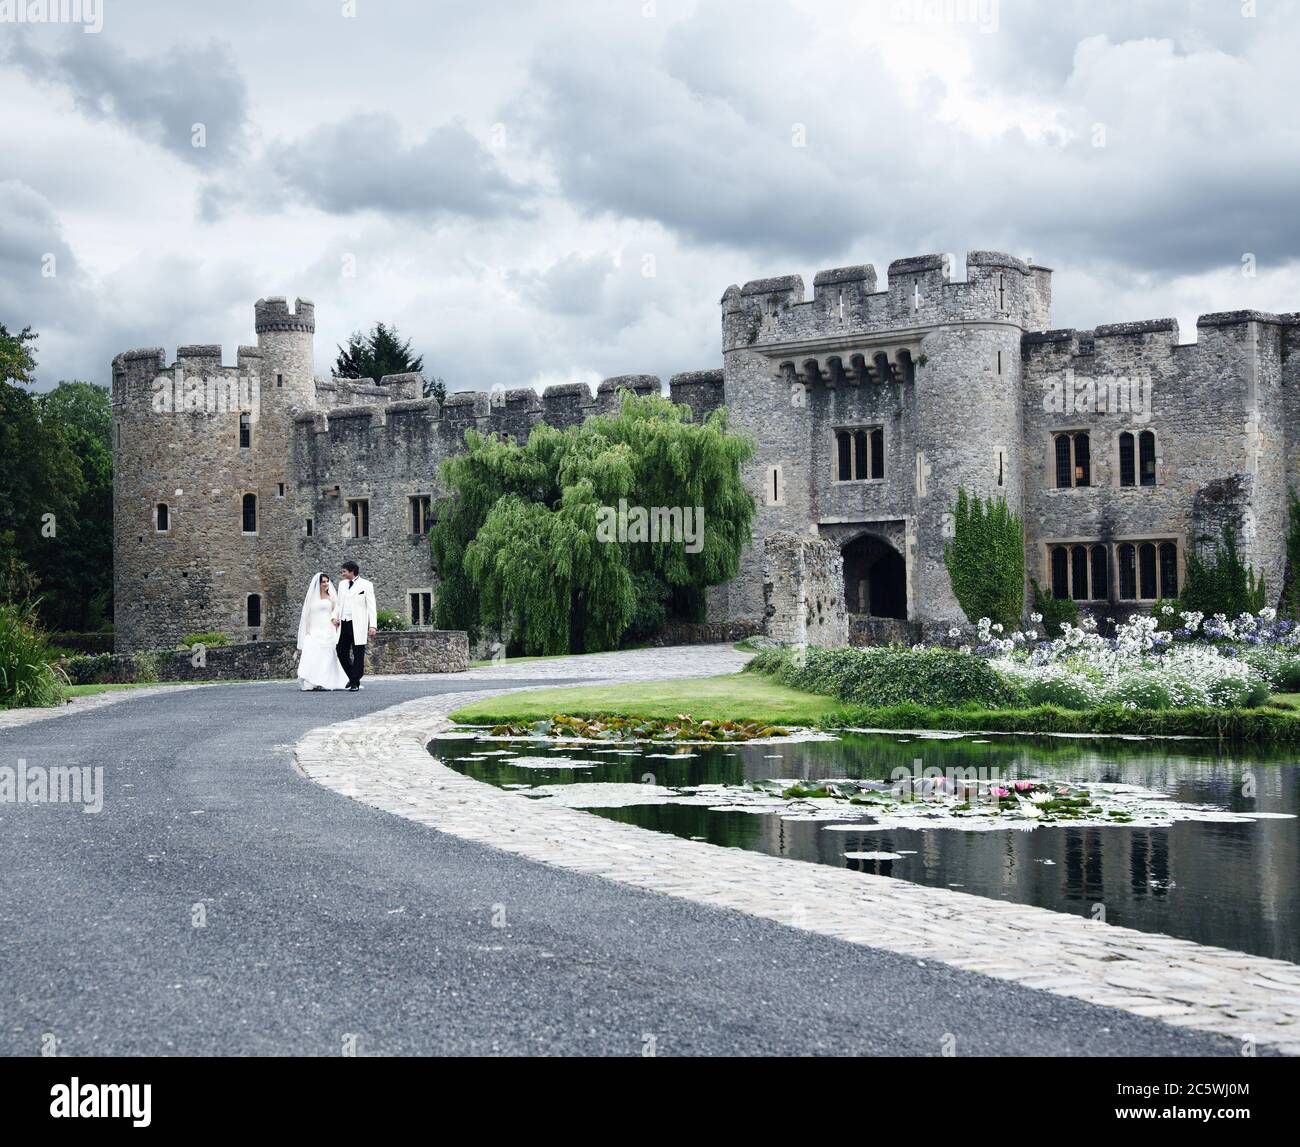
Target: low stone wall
405,651
705,632
83,642
864,630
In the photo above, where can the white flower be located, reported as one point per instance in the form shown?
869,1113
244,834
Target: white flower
1036,618
954,632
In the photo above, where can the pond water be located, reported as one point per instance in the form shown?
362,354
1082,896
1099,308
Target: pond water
1229,884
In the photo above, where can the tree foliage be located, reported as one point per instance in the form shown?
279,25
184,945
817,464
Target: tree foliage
986,559
56,500
76,565
382,351
518,543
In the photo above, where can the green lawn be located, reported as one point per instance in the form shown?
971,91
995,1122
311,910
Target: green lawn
734,697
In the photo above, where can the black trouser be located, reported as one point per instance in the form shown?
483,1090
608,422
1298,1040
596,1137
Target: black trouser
351,655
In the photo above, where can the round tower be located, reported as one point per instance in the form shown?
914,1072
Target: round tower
202,501
968,420
284,339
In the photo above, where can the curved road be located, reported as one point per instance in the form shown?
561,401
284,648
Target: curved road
326,919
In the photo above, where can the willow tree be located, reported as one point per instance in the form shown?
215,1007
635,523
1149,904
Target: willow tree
541,543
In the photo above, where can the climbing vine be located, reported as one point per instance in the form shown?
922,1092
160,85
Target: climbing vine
986,559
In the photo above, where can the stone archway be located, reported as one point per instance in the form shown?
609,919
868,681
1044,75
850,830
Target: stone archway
875,578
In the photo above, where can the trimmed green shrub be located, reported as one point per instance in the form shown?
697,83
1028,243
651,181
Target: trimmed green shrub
389,619
27,678
888,675
986,560
1054,610
1058,691
207,640
1145,690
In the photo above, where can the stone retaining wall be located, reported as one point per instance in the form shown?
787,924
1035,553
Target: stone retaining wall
865,630
706,633
408,651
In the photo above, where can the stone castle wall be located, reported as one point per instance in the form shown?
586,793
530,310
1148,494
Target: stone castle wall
954,375
1219,411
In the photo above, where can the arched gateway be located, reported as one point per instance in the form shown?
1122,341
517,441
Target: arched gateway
875,578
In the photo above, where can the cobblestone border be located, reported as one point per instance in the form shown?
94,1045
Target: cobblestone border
381,760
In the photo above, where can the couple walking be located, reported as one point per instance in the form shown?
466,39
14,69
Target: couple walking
333,630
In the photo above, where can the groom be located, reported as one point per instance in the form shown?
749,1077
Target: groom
356,607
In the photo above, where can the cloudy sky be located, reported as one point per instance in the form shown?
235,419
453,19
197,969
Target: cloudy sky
548,192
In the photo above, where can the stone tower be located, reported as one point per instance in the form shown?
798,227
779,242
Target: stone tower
869,408
201,492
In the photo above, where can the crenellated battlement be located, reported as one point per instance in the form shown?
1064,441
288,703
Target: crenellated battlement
273,314
376,415
138,374
1155,335
920,294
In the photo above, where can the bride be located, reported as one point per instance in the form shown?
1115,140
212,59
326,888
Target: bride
318,666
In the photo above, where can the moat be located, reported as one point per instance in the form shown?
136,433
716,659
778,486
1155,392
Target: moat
1228,883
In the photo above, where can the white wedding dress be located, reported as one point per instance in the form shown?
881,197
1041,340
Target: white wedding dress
318,664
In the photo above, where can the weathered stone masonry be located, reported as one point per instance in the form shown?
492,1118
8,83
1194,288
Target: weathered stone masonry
868,408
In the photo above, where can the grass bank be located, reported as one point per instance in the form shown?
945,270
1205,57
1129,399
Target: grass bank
1266,725
750,696
733,697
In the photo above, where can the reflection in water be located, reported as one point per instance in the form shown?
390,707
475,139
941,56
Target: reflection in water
1233,885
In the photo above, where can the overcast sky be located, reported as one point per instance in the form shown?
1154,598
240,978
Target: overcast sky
549,192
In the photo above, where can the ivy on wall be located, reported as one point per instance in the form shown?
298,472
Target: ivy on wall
986,559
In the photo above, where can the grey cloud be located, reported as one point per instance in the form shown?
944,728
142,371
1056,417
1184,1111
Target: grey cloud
159,98
360,164
694,133
573,285
628,139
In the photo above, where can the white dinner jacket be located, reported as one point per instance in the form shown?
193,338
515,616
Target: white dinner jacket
359,594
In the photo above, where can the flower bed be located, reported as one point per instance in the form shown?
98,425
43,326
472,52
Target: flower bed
1169,661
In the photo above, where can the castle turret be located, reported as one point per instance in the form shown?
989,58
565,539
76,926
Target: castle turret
202,499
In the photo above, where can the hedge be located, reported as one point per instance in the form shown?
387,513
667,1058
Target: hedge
888,675
1252,725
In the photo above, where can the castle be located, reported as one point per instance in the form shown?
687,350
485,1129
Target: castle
1121,448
